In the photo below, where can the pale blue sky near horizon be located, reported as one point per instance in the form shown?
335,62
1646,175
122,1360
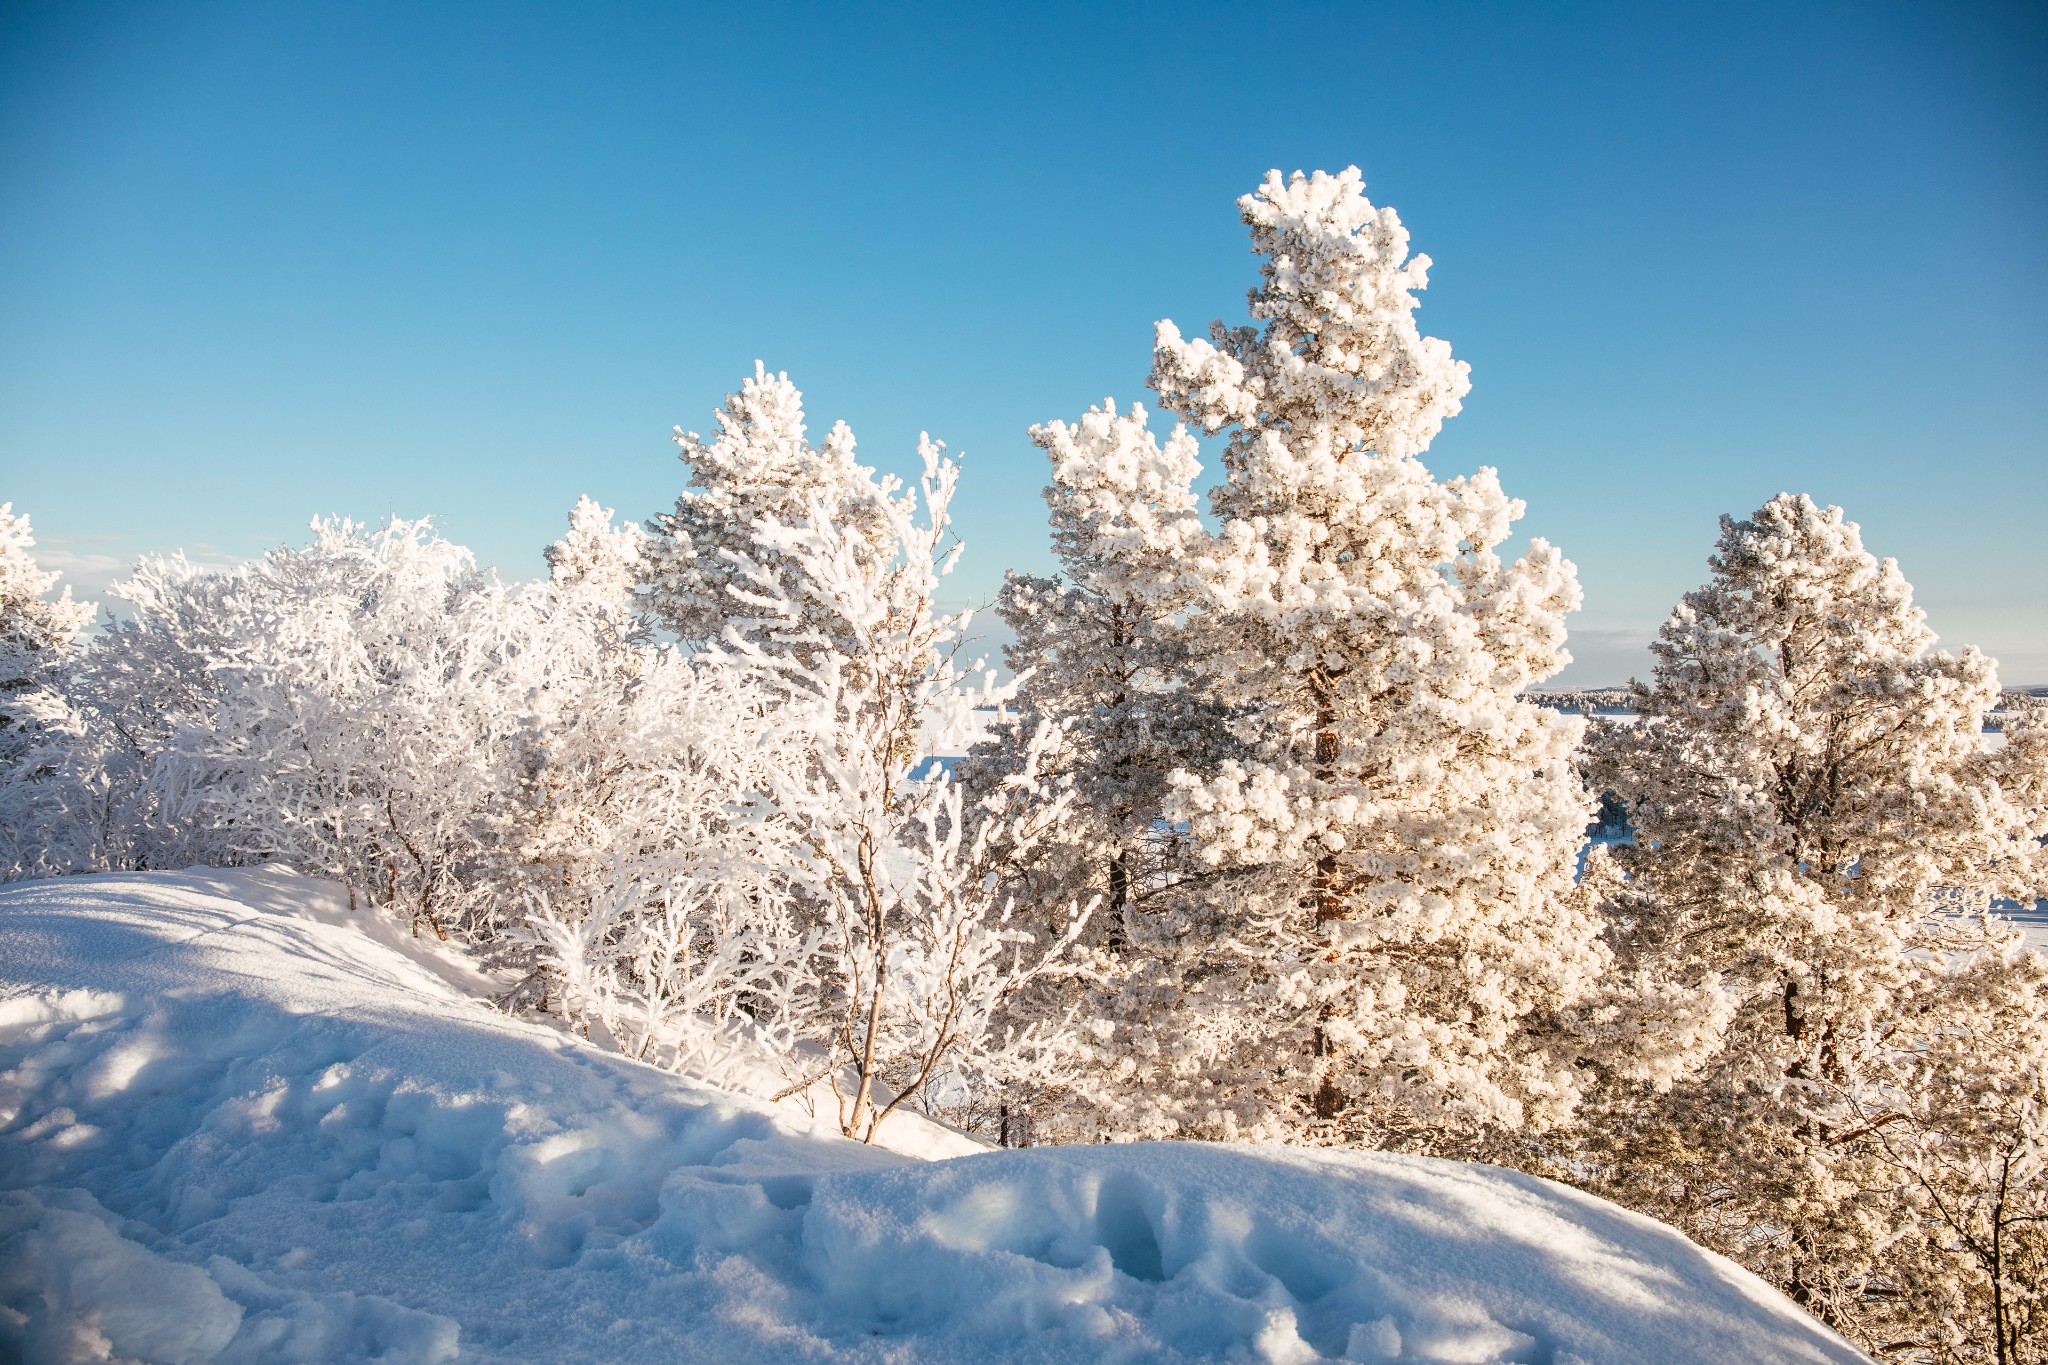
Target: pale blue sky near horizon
262,261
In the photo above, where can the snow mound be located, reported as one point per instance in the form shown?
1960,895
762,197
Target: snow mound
233,1130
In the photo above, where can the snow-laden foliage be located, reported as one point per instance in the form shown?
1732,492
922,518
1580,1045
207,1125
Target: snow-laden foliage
371,707
1823,835
1956,1121
1098,651
359,717
39,643
923,955
31,625
701,970
760,464
1405,942
516,764
597,556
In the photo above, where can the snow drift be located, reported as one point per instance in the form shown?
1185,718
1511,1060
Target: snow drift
237,1124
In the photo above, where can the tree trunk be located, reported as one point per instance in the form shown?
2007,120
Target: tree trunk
1326,896
864,1093
1114,936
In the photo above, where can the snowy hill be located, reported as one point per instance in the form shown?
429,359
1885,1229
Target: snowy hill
237,1124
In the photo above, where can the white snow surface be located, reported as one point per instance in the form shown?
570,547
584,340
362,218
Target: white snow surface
239,1124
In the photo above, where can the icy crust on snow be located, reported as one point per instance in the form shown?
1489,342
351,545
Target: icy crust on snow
233,1132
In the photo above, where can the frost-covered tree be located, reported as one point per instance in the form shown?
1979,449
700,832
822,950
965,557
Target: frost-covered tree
1406,939
596,556
662,918
370,707
41,793
760,464
1956,1119
515,762
211,717
610,745
923,959
353,731
1823,834
1098,652
149,676
32,626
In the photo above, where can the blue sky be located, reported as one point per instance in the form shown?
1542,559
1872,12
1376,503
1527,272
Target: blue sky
263,261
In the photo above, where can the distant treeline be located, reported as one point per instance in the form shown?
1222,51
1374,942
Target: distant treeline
2012,701
1585,700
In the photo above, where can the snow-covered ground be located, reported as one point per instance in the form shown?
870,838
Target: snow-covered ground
237,1123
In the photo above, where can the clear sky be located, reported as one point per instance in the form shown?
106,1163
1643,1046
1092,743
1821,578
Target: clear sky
259,261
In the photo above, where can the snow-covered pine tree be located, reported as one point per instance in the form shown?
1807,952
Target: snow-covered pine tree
760,464
1407,936
596,556
45,827
1097,650
1822,831
921,964
1956,1117
33,628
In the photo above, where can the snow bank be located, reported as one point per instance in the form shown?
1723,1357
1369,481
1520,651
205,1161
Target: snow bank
232,1131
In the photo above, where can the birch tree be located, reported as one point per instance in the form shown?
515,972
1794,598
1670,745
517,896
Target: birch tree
924,960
